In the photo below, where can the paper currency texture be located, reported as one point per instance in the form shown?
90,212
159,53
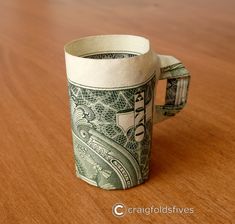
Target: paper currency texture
112,132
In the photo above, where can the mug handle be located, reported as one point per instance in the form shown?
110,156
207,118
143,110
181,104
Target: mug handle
178,79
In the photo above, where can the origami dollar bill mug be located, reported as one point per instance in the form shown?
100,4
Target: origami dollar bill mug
111,82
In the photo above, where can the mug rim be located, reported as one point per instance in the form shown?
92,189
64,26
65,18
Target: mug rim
140,47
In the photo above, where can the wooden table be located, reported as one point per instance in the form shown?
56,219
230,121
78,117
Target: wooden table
193,153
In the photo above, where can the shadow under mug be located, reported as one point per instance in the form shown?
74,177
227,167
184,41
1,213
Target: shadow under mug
111,82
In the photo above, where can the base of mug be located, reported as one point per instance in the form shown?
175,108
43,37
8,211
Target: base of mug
106,186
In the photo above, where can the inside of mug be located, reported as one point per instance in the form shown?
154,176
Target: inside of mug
108,46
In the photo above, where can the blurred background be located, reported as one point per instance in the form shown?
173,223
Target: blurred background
191,30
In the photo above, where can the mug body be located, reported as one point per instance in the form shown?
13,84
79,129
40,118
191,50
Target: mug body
111,82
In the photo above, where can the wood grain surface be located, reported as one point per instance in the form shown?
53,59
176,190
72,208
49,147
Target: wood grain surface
193,158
